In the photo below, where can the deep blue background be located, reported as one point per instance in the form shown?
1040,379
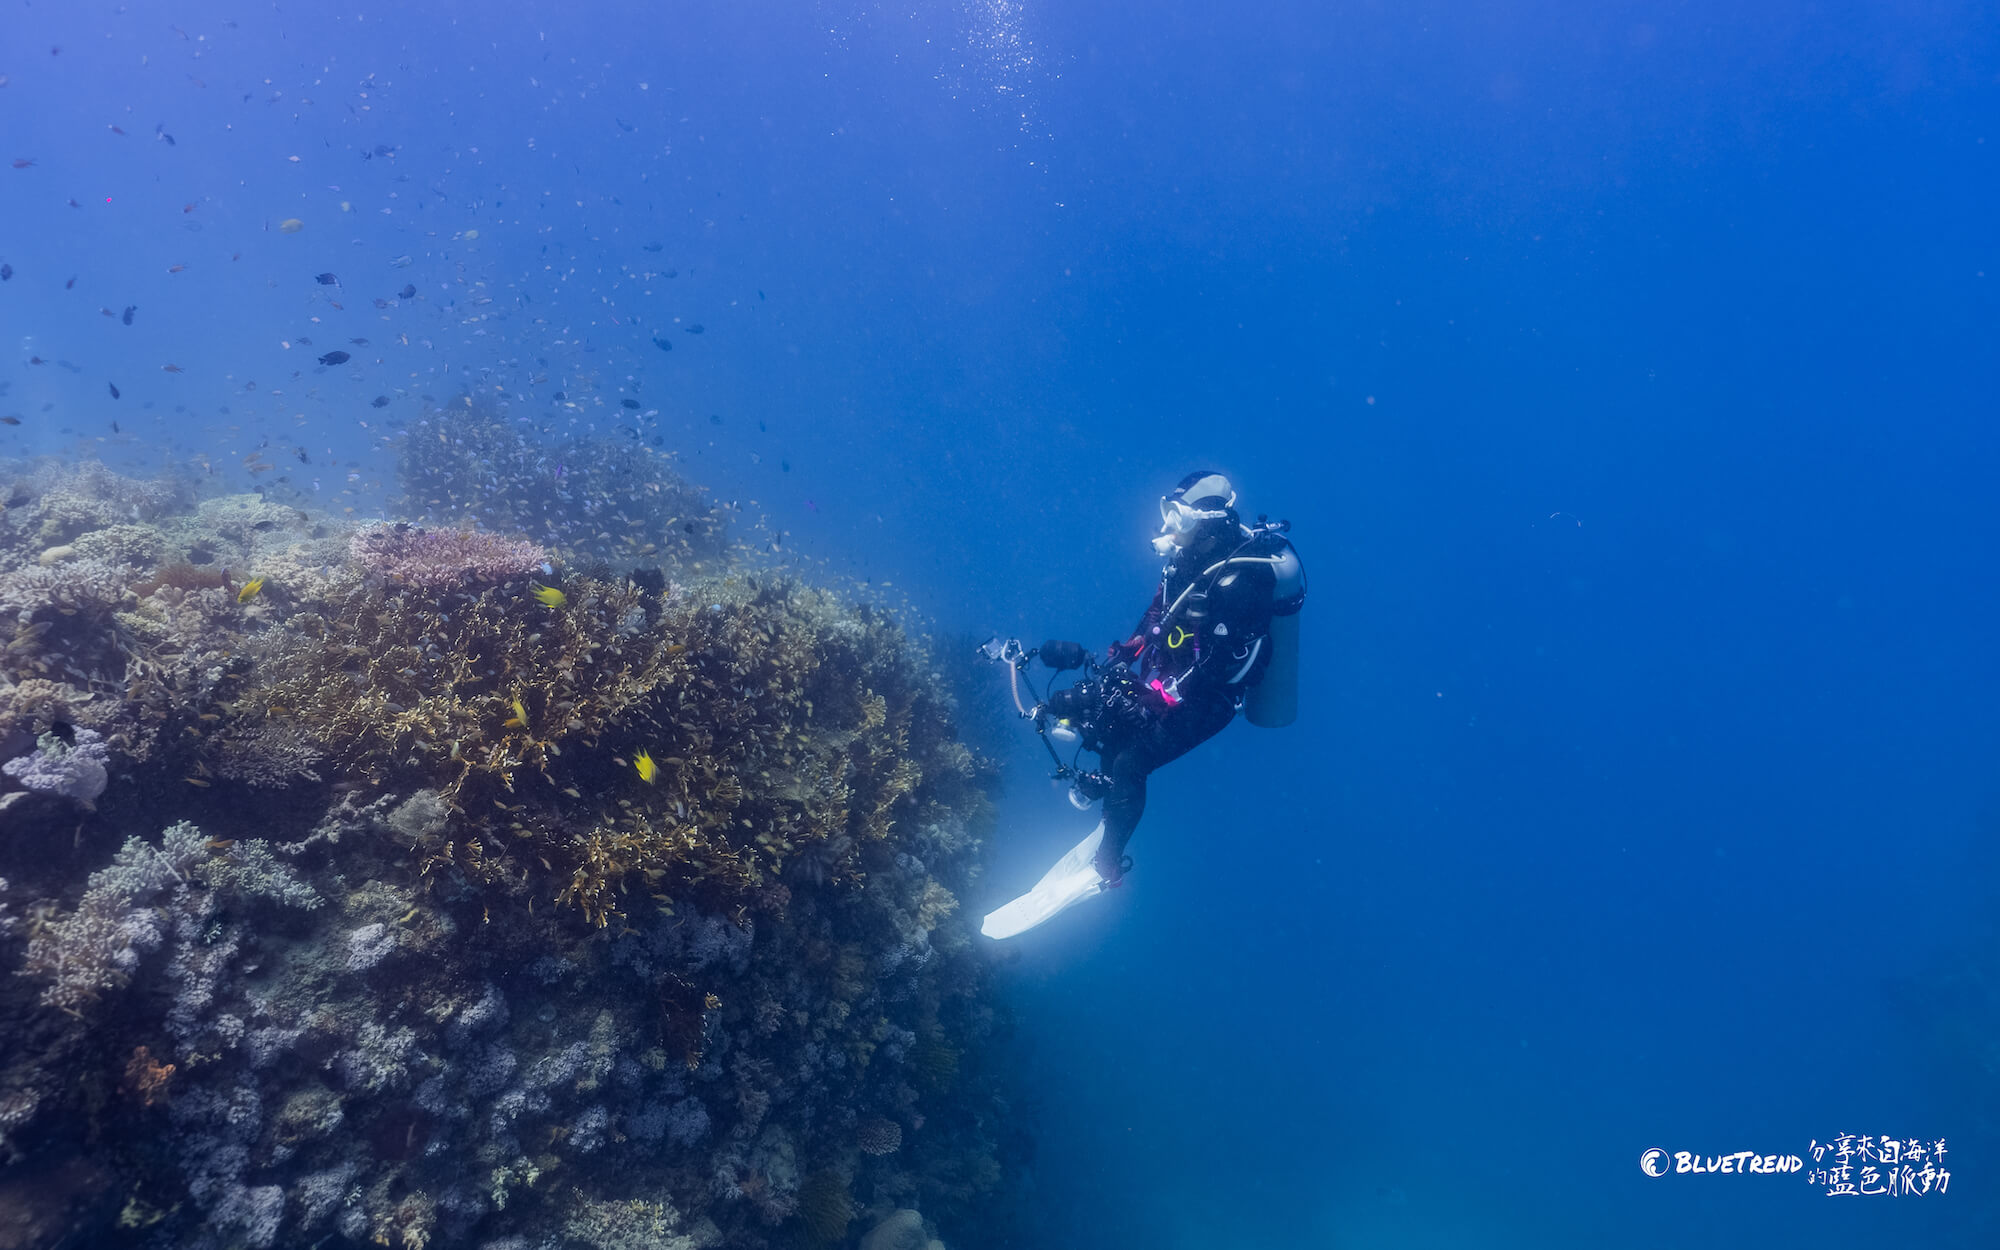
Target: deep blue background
1627,371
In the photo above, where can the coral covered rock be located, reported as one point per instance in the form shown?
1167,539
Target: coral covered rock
621,914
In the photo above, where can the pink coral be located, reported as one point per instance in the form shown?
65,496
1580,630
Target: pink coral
433,558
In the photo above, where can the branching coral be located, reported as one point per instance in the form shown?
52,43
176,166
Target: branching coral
432,558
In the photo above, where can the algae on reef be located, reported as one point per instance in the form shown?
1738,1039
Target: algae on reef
421,957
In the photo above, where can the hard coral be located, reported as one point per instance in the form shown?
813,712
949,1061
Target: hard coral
432,558
878,1136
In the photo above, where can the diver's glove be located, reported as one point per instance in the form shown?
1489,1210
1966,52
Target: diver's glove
1062,656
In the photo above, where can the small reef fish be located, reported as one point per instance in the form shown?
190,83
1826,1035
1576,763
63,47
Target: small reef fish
114,389
291,225
130,309
550,596
408,292
334,358
380,401
327,279
519,719
250,589
642,761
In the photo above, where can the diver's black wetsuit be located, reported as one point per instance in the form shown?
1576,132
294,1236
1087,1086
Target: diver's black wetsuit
1176,682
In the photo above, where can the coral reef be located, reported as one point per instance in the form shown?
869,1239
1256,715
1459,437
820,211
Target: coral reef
423,957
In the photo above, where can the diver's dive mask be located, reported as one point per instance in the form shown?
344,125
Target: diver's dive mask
1180,521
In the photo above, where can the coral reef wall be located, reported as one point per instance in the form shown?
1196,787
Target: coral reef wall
475,880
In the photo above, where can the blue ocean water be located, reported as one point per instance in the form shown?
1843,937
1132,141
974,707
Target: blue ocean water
1626,372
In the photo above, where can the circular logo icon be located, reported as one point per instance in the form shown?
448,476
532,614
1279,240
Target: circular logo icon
1653,1162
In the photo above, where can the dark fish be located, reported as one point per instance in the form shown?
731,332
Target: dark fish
760,292
114,389
70,285
130,309
786,465
335,358
381,303
654,247
10,420
359,342
408,292
303,457
663,343
115,429
304,341
6,272
629,403
327,279
380,401
696,328
715,418
169,138
623,125
384,149
560,397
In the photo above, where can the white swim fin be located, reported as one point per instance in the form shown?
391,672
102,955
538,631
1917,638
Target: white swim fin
1073,879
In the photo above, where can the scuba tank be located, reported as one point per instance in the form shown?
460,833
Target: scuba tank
1273,702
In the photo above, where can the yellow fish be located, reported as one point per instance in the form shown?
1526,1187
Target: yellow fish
550,596
250,589
520,720
648,770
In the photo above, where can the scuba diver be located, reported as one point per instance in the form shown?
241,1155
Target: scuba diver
1221,633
